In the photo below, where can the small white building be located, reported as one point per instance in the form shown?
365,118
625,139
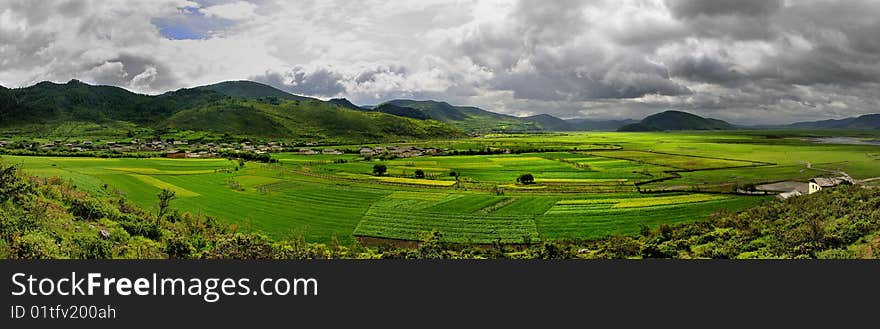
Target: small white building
817,184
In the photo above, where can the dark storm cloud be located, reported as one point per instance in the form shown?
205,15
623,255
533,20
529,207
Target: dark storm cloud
371,75
694,8
133,70
321,82
543,54
747,61
705,69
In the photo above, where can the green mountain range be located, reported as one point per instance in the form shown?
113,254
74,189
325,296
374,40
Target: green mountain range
868,121
468,118
250,90
234,107
676,120
248,108
474,119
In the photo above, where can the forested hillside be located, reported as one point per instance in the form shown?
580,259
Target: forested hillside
235,107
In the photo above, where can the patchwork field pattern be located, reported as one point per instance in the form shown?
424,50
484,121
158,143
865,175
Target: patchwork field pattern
579,192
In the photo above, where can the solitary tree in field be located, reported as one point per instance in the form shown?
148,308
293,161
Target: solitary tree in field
525,179
420,173
165,197
379,169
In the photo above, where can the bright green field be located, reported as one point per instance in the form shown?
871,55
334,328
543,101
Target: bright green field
580,194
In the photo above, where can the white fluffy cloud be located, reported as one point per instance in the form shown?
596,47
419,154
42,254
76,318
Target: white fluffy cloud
238,10
746,61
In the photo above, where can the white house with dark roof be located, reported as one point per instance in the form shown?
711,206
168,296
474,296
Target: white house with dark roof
819,183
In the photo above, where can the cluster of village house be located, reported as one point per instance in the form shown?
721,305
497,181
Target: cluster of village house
173,149
185,149
399,152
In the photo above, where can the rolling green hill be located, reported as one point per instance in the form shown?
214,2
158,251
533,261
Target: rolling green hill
549,122
234,107
250,90
868,121
402,111
468,118
676,120
48,102
475,119
313,119
345,103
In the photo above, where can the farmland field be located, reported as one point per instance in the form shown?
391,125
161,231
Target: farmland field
587,185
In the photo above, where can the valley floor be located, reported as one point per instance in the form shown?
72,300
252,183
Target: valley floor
587,185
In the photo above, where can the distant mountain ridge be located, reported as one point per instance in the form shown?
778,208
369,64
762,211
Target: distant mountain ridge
49,103
232,107
601,125
345,103
470,118
868,121
247,107
676,120
250,90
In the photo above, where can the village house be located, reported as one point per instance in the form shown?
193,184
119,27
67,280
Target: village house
202,154
331,152
819,183
307,152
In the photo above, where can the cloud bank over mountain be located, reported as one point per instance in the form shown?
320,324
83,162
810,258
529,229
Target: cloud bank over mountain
743,61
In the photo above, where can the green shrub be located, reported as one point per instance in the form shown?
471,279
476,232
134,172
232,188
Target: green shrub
92,247
241,246
35,245
178,247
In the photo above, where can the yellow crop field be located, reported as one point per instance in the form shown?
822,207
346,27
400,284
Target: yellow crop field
428,196
181,192
668,200
154,171
416,181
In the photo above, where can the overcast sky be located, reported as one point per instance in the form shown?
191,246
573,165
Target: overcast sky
745,61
